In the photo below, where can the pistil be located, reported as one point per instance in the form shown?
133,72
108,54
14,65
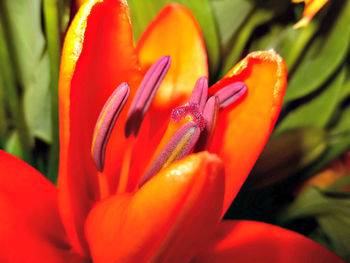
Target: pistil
190,110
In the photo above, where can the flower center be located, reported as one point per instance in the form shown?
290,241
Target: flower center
191,126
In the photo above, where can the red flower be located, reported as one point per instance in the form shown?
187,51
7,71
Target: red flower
103,209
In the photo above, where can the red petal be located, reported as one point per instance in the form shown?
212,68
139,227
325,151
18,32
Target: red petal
174,32
30,227
170,217
243,129
98,55
248,241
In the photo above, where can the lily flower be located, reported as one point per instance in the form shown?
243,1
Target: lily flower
148,164
310,10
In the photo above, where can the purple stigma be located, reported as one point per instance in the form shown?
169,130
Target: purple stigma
200,93
191,109
145,95
231,93
180,145
105,123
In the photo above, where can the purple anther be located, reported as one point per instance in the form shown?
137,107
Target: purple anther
105,123
210,114
180,145
145,94
190,109
231,93
200,93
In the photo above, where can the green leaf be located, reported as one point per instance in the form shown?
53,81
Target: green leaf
11,96
323,57
331,209
314,202
143,12
230,16
14,146
235,52
36,101
286,154
338,144
54,16
337,228
3,119
346,87
317,111
64,12
343,125
286,41
237,26
24,24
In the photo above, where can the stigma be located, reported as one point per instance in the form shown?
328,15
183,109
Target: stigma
190,110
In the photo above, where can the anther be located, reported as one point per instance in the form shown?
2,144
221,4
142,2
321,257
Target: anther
200,93
231,93
210,114
189,110
105,123
180,145
145,94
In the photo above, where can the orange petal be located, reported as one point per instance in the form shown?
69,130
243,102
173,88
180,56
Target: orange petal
243,129
311,8
98,55
248,241
174,32
170,217
30,227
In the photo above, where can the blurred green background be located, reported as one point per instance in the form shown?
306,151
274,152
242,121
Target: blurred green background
312,132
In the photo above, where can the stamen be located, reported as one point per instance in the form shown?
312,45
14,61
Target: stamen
145,94
105,123
231,93
210,114
189,110
200,93
180,145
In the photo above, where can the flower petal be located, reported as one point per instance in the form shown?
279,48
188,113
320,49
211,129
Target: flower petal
248,241
243,129
30,227
98,55
174,32
170,217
